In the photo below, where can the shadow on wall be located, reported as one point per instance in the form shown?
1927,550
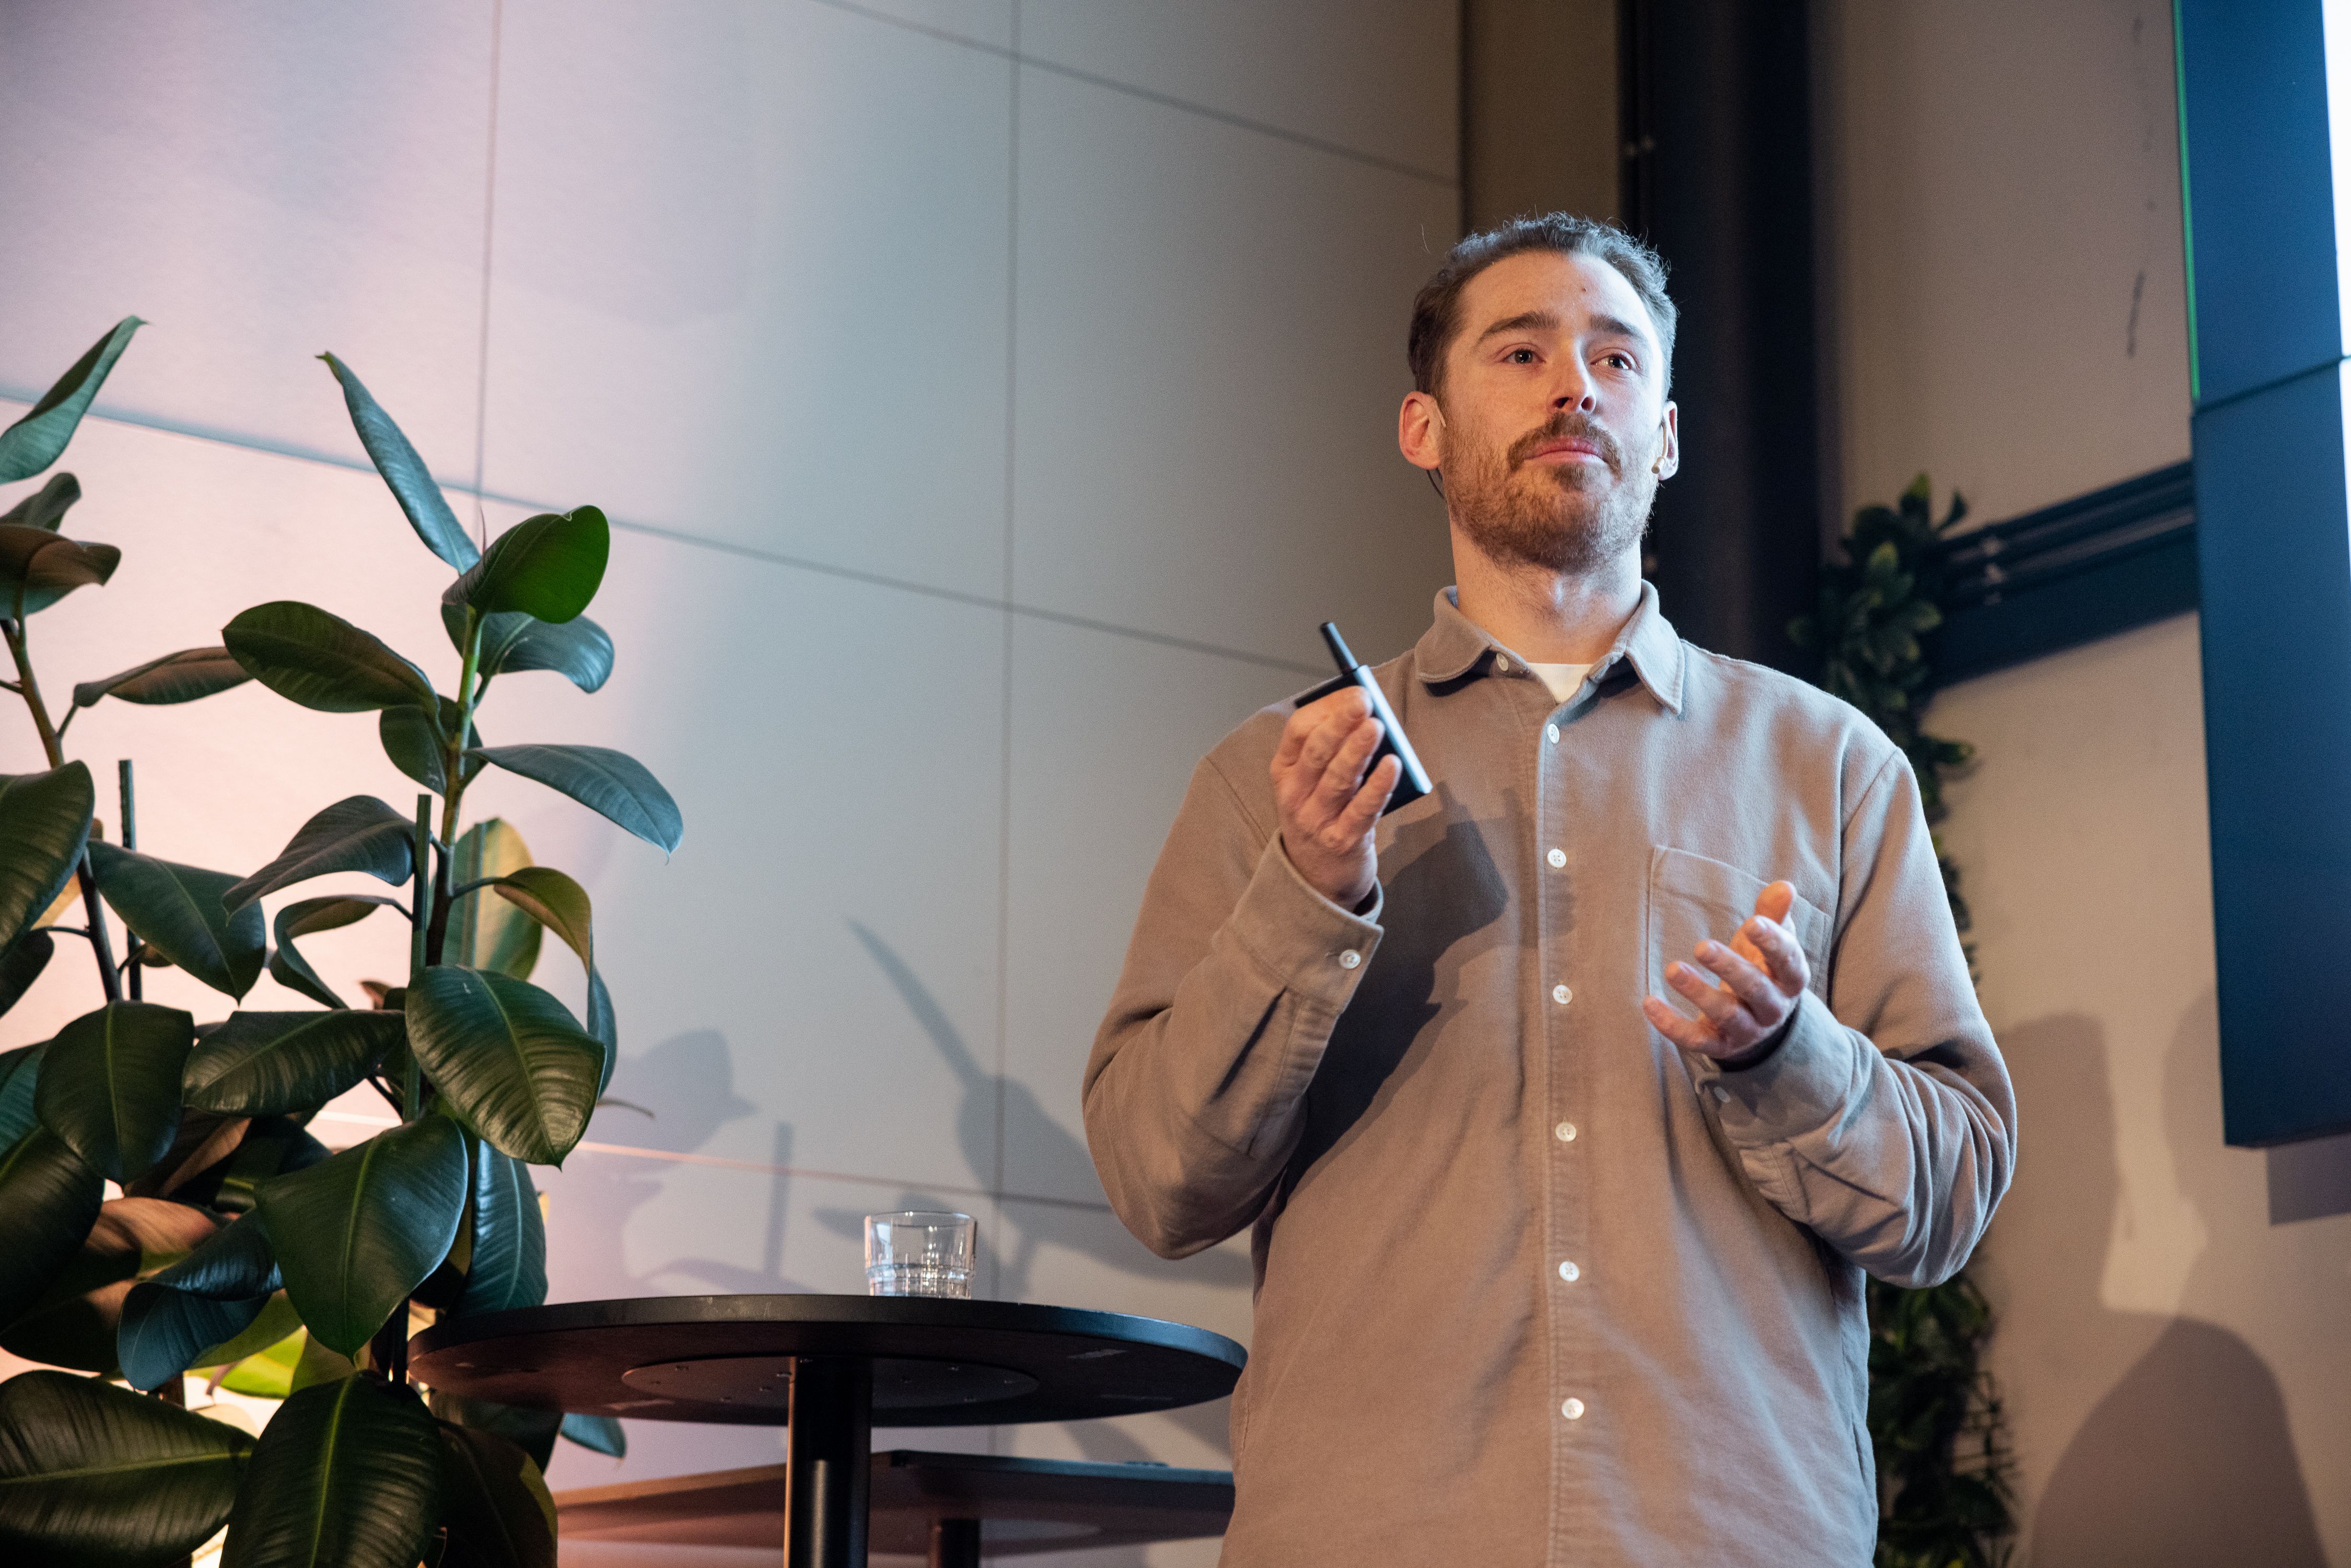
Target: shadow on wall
2187,1459
687,1085
1026,1124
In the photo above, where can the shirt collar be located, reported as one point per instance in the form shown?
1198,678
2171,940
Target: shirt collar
1454,644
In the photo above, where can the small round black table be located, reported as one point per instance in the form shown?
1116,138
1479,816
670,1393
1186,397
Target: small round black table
827,1367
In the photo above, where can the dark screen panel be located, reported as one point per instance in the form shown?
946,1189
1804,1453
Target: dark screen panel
2259,197
2273,549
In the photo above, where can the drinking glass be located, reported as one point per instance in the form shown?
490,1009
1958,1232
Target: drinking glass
919,1254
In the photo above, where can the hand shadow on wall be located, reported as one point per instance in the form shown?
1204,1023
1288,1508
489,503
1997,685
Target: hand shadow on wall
687,1083
1013,1254
2188,1458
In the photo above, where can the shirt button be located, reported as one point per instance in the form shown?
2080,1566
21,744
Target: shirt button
1501,665
1721,1095
1557,857
1350,958
1573,1409
1570,1272
1565,1132
1560,995
1550,733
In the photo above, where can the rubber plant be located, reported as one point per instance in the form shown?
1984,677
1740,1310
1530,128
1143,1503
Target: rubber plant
240,1242
1944,1466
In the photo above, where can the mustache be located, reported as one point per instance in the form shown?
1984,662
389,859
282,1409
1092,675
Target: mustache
1565,426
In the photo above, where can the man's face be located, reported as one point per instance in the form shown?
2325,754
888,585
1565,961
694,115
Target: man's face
1551,426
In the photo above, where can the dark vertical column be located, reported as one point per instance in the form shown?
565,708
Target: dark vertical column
827,1473
1715,108
954,1544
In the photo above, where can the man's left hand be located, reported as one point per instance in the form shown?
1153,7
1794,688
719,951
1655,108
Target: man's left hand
1763,973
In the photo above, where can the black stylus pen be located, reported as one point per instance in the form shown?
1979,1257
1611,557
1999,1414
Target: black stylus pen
1412,783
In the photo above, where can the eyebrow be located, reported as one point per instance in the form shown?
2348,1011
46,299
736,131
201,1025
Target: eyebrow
1605,325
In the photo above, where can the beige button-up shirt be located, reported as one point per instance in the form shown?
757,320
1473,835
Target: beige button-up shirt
1535,1286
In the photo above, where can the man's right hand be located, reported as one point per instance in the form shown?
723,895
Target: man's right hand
1329,808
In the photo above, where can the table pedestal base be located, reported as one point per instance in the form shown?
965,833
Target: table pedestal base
954,1544
829,1463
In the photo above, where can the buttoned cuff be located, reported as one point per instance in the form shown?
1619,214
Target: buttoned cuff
1305,942
1799,1087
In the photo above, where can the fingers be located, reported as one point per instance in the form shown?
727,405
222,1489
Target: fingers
1755,991
1775,901
1371,800
1342,774
1779,952
1690,1034
1720,1006
1350,703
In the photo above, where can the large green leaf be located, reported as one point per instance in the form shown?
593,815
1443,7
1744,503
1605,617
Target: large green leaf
414,741
177,910
321,660
48,1200
302,918
20,1075
39,568
484,933
272,1145
92,1476
75,1321
36,441
508,1268
207,1298
510,1059
532,1431
494,1502
46,507
561,905
357,1232
347,1475
555,901
361,833
548,567
180,677
44,822
577,649
21,962
610,782
268,1064
601,1433
412,483
111,1085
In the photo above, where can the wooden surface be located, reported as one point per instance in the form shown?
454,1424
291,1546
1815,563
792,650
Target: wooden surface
1026,1505
730,1358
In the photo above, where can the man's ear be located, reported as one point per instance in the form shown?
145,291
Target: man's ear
1669,447
1420,431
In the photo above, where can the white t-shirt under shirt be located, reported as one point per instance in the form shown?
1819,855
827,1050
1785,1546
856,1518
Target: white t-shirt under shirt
1563,679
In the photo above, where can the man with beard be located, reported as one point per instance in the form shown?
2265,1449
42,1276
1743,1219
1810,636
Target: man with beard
1551,1268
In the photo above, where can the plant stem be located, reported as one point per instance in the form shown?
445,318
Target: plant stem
131,943
413,1101
29,689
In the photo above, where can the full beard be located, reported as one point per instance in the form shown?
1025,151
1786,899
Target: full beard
1568,518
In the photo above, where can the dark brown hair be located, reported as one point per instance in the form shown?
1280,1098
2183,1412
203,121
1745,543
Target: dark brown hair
1436,308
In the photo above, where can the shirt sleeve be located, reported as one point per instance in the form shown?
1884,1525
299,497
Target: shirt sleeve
1884,1121
1237,972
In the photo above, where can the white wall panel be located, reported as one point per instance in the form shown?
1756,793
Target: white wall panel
261,181
1105,732
1211,353
984,22
1374,76
750,280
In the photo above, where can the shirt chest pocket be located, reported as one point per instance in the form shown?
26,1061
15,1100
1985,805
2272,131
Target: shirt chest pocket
1693,898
